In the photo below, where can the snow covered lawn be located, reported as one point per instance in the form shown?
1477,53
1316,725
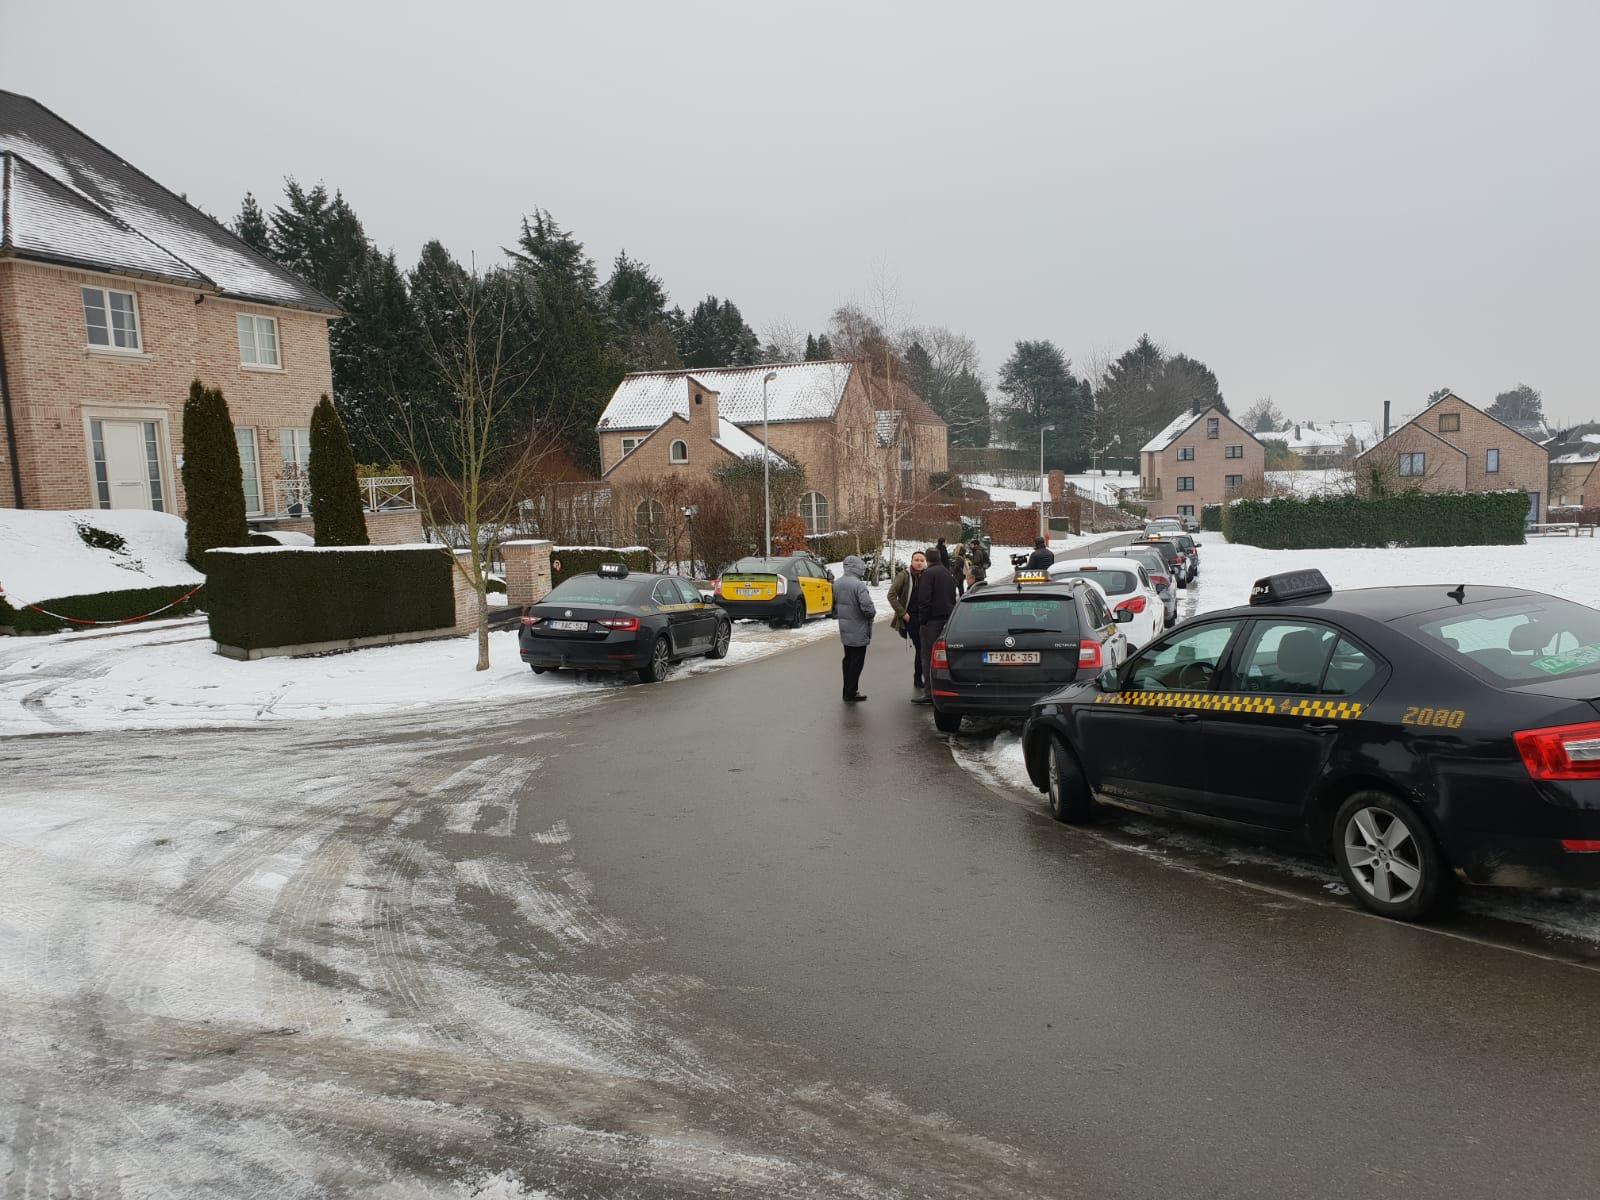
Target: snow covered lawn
43,556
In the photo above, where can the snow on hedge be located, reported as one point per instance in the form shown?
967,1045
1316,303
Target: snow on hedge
43,555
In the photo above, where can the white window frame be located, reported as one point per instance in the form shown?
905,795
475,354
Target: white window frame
256,320
1491,461
165,459
674,457
255,451
629,445
290,437
816,520
105,306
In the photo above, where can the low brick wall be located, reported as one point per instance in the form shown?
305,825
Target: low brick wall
527,570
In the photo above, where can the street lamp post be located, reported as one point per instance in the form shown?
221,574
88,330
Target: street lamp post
766,465
1043,494
689,511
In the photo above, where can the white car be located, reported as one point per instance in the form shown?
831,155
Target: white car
1127,588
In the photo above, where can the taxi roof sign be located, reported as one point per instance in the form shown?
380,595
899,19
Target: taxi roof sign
1022,577
612,570
1291,585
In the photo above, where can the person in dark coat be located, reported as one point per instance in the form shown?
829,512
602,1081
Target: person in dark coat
907,620
1042,557
935,599
853,606
943,552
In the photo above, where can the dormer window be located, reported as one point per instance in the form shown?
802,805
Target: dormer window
111,319
680,451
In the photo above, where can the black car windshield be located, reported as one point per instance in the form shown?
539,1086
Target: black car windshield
1523,640
979,615
597,589
1114,583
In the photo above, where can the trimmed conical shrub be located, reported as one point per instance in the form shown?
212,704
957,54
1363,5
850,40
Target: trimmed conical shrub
335,495
213,484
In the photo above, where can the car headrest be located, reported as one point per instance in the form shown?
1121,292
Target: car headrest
1300,654
1529,638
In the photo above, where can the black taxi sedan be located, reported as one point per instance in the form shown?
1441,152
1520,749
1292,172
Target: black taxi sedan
1007,644
1418,734
615,620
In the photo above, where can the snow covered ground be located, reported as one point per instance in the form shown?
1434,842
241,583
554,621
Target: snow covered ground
1008,488
43,556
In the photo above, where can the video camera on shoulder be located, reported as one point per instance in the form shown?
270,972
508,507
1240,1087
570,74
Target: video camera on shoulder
1019,560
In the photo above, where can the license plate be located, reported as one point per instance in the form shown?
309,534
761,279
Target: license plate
749,593
1010,658
571,626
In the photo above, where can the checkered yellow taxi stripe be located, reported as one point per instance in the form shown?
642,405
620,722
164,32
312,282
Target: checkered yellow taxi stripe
1235,702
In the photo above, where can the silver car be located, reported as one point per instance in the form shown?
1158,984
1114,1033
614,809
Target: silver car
1156,567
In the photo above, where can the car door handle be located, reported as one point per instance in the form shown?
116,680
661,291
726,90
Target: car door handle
1185,716
1315,728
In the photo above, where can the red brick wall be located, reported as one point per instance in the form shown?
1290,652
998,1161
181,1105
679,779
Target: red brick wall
1011,526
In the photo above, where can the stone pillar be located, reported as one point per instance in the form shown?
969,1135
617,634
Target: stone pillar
1058,486
466,598
527,571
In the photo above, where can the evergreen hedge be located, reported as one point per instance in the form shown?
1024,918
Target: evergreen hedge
100,606
213,483
1409,519
336,514
303,596
1211,517
585,560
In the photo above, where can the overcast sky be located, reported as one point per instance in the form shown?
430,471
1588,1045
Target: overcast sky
1331,204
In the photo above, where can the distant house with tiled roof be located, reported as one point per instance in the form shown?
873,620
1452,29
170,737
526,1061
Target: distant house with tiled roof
1575,466
1200,458
1455,446
115,294
833,419
1320,444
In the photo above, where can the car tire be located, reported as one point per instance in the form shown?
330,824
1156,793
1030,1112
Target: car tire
1389,858
537,670
660,662
946,722
721,640
1066,787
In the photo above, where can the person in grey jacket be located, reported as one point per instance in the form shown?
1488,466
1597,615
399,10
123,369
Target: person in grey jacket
852,602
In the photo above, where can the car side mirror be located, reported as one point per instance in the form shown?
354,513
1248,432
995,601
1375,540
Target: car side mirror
1123,616
1109,681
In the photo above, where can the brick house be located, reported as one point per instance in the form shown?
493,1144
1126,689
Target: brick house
114,295
858,440
1200,458
1574,467
1451,446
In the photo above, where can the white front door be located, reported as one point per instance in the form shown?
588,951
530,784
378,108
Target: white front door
127,463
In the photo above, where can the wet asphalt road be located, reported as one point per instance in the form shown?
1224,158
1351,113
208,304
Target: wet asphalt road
1146,1030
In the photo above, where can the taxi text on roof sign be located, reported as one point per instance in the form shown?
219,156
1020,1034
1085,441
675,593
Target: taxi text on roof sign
1291,585
613,570
1031,577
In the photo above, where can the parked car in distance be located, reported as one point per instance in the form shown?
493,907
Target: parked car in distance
1191,550
782,591
1127,587
1007,644
618,620
1177,561
1155,565
1167,525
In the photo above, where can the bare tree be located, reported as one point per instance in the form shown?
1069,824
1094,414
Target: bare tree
488,462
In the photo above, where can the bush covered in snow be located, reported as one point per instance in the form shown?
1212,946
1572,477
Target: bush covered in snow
1408,519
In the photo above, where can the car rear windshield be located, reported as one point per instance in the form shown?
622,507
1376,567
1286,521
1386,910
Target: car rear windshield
1523,640
758,566
597,589
1113,583
979,615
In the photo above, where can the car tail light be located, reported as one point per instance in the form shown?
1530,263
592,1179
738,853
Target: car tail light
620,624
1581,845
716,586
1160,581
1134,604
1089,656
528,622
783,585
940,656
1563,752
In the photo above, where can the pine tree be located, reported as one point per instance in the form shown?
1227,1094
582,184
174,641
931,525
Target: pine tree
811,349
213,482
716,335
377,361
336,514
637,305
824,347
1040,390
250,226
319,239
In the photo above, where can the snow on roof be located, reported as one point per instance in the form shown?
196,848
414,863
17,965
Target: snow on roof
46,558
97,193
1585,457
801,392
1305,437
736,441
1170,434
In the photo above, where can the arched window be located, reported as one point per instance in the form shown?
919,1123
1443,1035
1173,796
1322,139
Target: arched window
680,451
814,512
649,523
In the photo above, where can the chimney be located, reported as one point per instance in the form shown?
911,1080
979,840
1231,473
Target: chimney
1385,418
703,410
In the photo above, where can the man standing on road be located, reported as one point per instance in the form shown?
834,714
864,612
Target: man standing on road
935,599
1042,557
852,602
978,555
958,568
907,621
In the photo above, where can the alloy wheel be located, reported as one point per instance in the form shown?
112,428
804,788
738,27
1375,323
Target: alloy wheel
660,659
1383,855
724,636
